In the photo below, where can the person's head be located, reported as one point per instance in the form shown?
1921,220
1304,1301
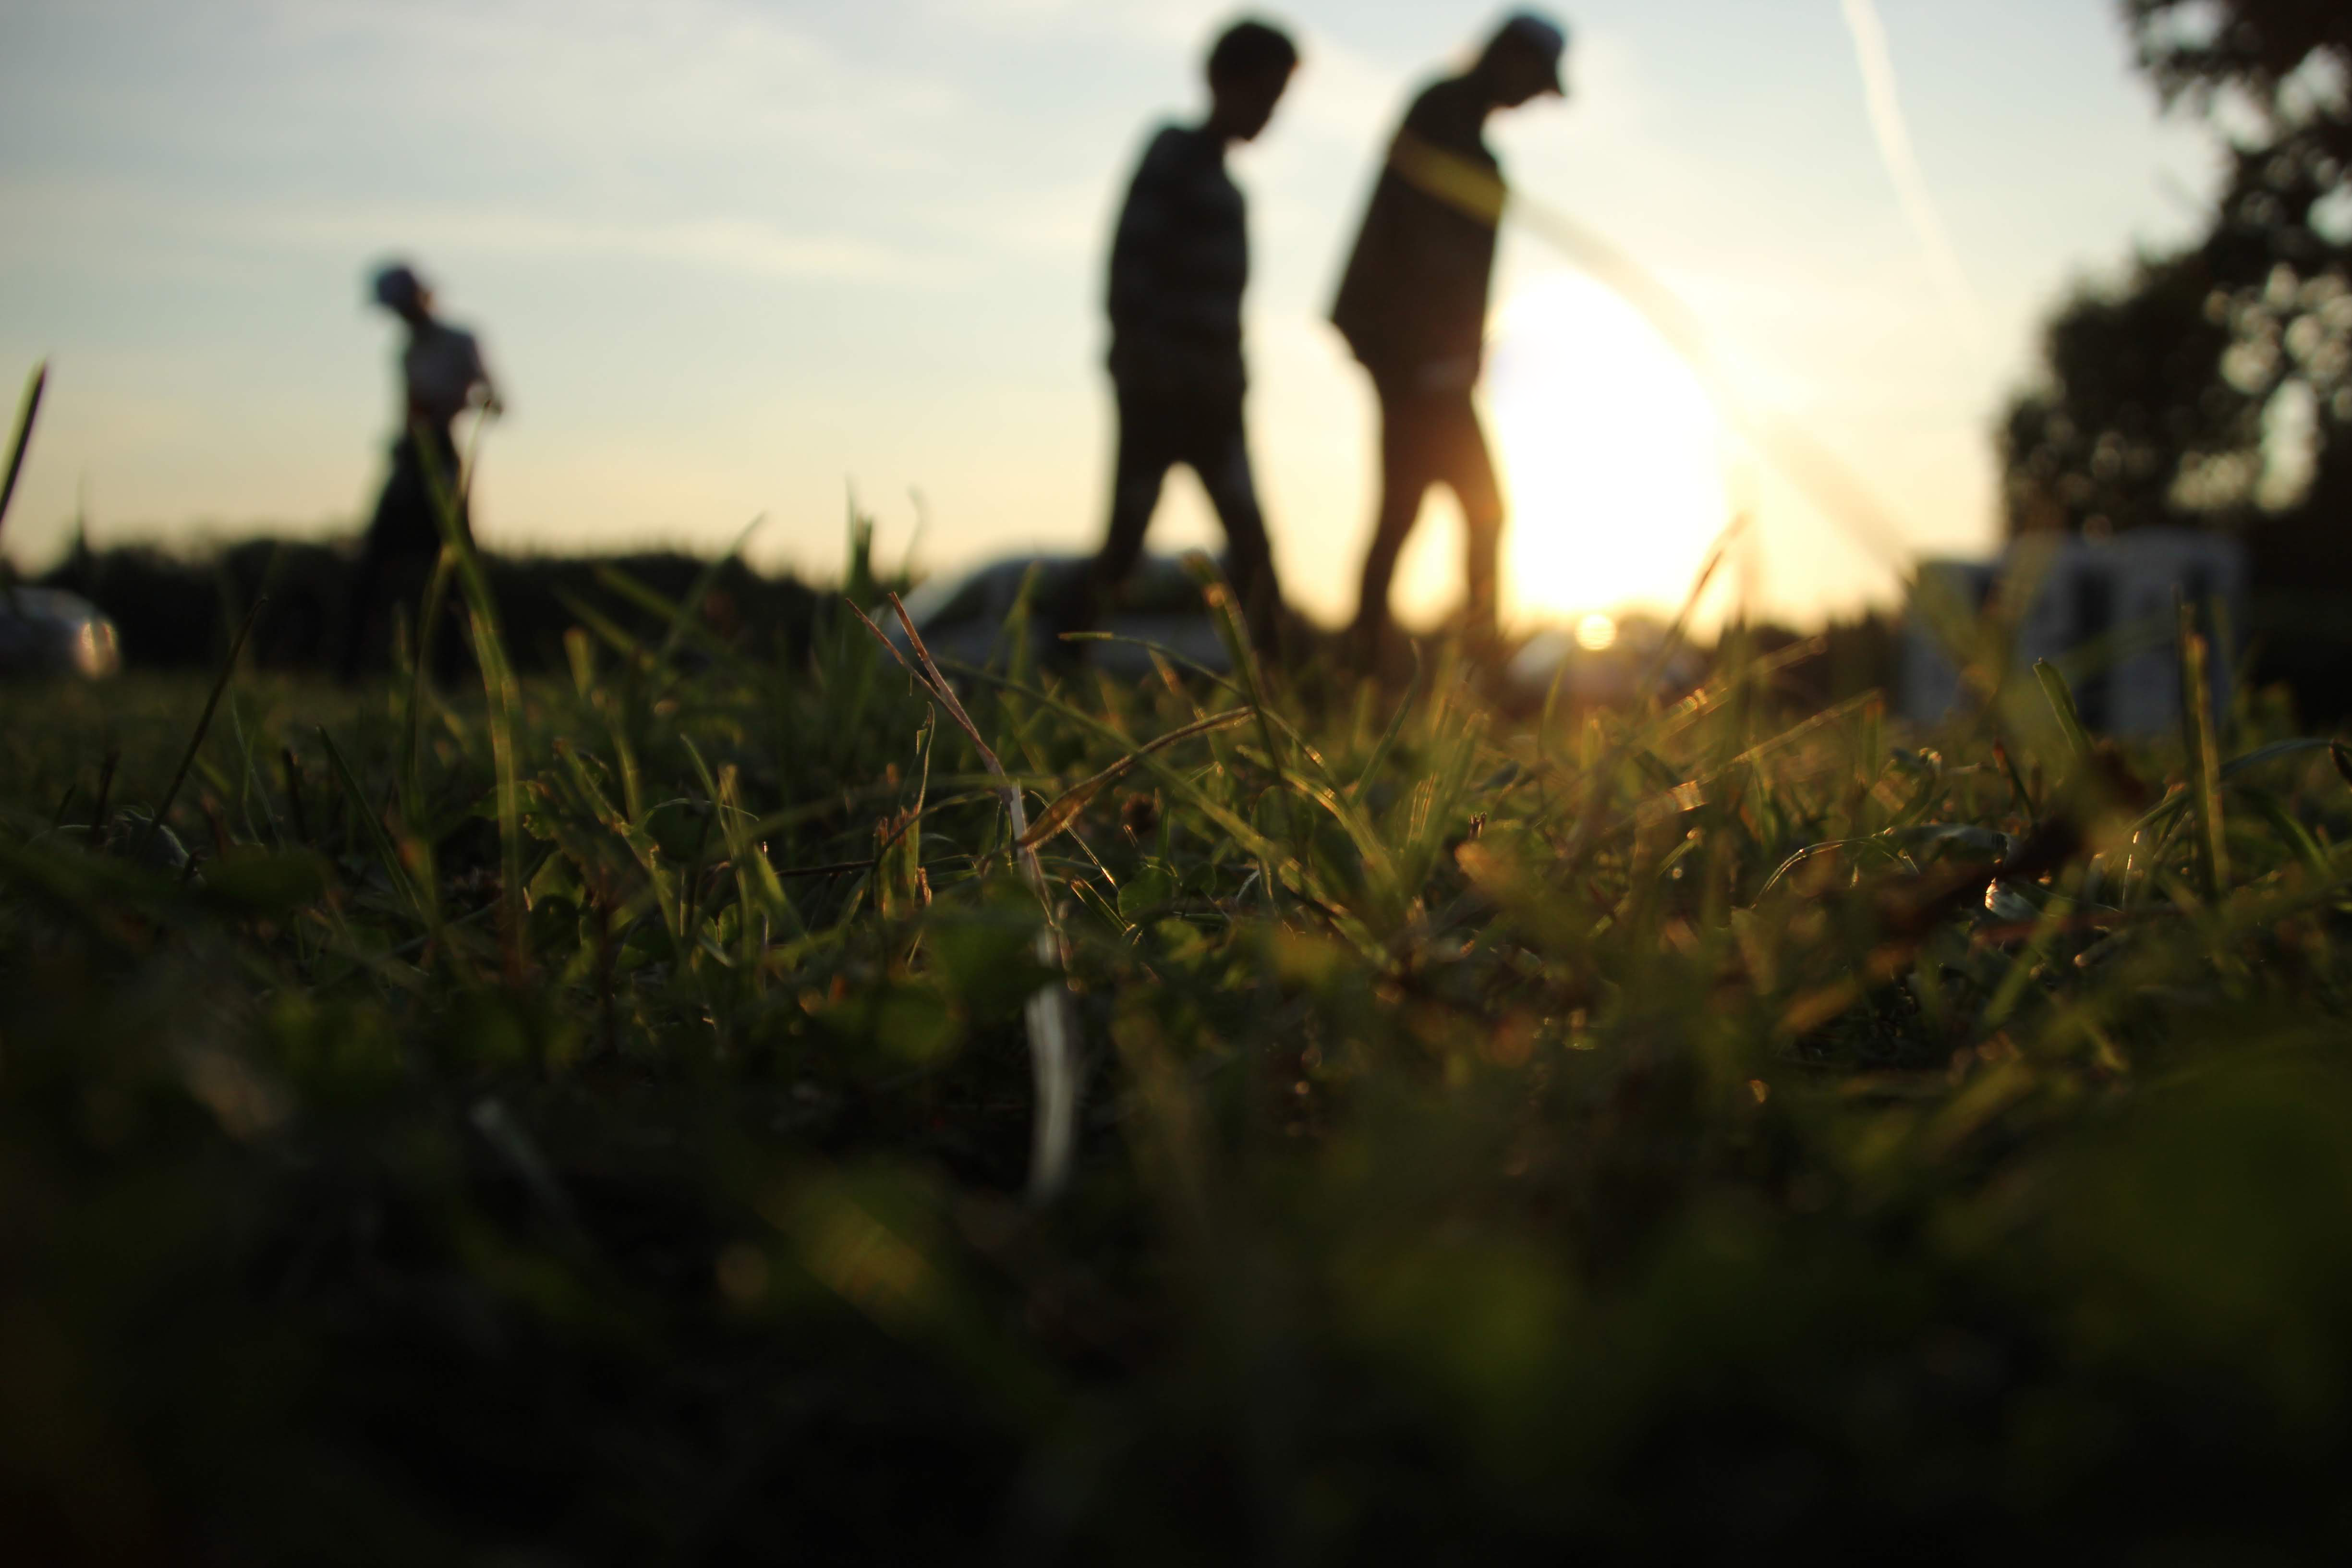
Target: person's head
398,288
1522,61
1249,66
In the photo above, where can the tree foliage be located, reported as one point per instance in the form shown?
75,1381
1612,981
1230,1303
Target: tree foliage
2212,387
2286,58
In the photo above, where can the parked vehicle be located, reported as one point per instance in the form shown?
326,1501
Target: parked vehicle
47,631
967,618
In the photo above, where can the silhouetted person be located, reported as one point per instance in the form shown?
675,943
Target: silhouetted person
1177,268
1412,305
442,375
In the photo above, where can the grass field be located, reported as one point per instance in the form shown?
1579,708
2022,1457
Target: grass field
598,1120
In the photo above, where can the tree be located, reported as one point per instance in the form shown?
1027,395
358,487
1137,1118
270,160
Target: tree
2213,386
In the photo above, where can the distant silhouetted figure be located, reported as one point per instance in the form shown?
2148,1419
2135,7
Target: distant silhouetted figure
442,375
1177,268
1412,305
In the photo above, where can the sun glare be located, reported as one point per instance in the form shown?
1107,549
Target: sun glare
1612,454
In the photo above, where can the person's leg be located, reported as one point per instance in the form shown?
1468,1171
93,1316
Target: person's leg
1220,455
1467,467
367,612
442,496
1404,480
446,489
451,634
1146,452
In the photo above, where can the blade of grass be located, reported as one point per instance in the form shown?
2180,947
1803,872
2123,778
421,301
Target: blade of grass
203,723
1225,611
607,630
1248,839
633,834
676,615
1065,809
427,617
704,580
504,698
294,796
2204,760
1387,743
28,409
2070,721
105,792
758,890
427,912
1052,1027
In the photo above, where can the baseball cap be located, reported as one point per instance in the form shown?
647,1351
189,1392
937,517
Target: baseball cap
396,286
1540,34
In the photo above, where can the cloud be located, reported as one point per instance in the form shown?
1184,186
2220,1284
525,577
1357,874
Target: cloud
731,244
618,81
136,217
1886,122
1145,21
724,135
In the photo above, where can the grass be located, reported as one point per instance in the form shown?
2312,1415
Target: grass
592,1119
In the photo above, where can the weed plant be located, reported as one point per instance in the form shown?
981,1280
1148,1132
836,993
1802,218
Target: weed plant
594,1121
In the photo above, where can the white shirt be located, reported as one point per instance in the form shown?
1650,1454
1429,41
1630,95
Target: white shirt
442,365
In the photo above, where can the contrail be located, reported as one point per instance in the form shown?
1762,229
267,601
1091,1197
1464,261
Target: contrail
1902,163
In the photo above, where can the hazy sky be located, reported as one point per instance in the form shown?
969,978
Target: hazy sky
731,257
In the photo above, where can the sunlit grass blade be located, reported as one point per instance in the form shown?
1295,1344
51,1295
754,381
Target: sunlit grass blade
1247,838
2204,758
1053,1027
1066,807
759,893
504,701
631,833
1378,761
2070,721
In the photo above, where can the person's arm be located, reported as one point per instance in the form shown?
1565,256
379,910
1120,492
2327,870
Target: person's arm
1147,227
484,392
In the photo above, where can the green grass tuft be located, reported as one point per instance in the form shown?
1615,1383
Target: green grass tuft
588,1120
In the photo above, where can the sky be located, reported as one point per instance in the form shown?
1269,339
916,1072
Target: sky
746,258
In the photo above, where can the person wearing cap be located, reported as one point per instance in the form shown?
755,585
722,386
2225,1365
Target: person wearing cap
1178,264
1412,308
441,376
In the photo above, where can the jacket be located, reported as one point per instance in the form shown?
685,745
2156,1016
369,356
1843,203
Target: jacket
1415,289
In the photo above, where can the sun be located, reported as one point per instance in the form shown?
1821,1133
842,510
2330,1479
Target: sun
1612,454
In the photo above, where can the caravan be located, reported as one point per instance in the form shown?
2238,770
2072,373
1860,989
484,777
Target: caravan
2101,610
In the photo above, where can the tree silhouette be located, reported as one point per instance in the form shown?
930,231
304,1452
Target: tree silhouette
2212,387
